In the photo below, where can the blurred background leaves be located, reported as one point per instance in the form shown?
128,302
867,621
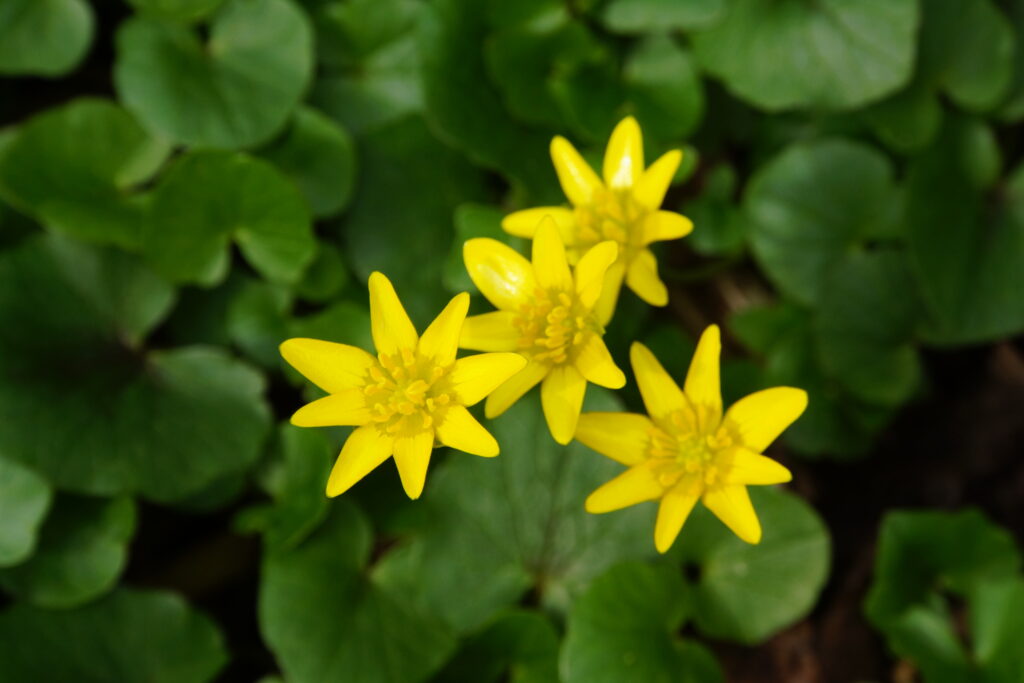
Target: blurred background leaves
186,183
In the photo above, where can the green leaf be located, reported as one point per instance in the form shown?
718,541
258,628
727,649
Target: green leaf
720,226
408,240
519,646
809,205
747,592
257,320
127,636
93,412
319,156
208,200
179,10
922,557
464,107
73,169
327,617
326,276
350,33
82,550
297,484
966,244
866,332
344,322
499,527
24,499
236,89
43,37
652,16
664,89
624,629
996,622
829,54
1013,108
909,120
966,50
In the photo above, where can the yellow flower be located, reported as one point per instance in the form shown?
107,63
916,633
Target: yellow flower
686,450
624,209
411,394
547,314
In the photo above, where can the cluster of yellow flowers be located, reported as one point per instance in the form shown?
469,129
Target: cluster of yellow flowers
548,329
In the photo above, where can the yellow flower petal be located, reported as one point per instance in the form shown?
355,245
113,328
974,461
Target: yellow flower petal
666,225
412,456
550,265
342,409
660,392
392,330
579,182
675,507
605,307
731,504
624,157
332,367
749,468
499,400
474,377
492,331
596,365
561,395
524,223
653,184
364,449
499,272
440,341
620,436
591,269
759,418
703,386
642,278
461,431
636,485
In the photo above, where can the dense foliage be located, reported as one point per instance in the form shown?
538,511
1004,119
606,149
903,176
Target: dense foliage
186,183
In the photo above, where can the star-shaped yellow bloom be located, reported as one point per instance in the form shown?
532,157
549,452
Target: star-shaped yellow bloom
546,313
686,450
410,396
624,209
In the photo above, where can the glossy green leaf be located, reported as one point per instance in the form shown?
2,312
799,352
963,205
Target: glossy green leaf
24,499
74,169
181,10
43,37
829,54
519,646
319,156
747,592
996,622
235,89
643,16
326,276
866,332
624,628
116,418
966,243
327,617
499,527
296,482
209,200
466,109
408,240
663,88
720,225
127,636
83,548
809,205
924,557
257,320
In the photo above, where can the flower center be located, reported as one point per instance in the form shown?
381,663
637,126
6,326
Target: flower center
678,449
406,393
553,326
611,215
